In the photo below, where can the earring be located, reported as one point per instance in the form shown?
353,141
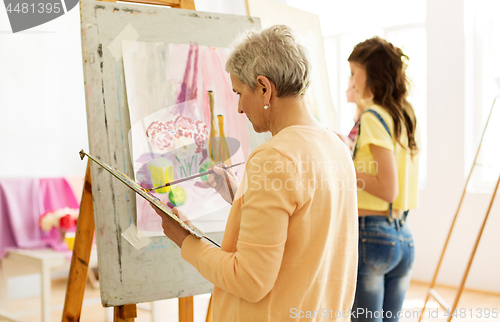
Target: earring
267,106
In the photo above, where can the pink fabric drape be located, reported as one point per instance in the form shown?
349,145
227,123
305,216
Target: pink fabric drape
56,194
22,202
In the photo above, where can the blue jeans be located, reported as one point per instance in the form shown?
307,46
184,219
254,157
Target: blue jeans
386,255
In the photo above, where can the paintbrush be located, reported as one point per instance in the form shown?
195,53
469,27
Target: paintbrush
193,177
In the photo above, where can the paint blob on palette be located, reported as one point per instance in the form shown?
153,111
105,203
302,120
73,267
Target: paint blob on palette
167,92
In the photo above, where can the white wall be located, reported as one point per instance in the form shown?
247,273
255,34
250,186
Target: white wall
446,165
42,104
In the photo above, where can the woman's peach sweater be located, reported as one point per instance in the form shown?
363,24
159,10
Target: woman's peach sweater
289,250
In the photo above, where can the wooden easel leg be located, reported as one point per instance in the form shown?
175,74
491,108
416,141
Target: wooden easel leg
125,313
187,4
431,290
209,311
81,255
186,309
471,258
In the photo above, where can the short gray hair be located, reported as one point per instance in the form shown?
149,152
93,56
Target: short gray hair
274,53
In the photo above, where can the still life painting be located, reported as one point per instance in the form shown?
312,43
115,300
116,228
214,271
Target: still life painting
184,119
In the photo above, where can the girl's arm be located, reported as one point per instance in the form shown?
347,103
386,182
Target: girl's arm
384,184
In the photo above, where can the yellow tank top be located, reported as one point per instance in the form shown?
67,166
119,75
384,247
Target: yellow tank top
372,131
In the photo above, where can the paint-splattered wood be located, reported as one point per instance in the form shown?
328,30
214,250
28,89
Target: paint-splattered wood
157,271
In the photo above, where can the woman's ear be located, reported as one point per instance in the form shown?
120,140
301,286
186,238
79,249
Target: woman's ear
265,87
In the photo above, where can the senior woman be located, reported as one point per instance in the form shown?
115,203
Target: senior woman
289,250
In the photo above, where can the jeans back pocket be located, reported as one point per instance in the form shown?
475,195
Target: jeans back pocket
378,254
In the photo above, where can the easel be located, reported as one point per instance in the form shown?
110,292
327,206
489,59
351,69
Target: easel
85,232
432,291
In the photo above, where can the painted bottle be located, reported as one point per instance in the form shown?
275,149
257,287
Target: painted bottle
224,153
212,141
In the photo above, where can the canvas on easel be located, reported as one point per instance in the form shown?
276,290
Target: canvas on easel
172,124
122,252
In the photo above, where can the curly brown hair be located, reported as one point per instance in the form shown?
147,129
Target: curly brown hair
385,66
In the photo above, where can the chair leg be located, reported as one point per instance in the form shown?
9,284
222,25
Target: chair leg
3,290
46,289
4,297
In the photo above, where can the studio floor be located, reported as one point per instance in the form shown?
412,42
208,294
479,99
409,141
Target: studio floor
474,303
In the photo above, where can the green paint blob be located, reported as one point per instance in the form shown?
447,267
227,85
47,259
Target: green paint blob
177,196
204,168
